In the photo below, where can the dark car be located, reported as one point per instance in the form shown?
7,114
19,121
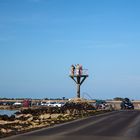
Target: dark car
127,104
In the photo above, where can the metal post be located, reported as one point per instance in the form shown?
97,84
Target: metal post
78,86
78,90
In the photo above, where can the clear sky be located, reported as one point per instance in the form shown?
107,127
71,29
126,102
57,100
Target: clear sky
40,39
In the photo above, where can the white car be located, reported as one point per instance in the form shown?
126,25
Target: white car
48,103
52,104
59,104
44,104
17,104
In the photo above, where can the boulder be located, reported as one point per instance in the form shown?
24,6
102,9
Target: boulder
28,115
30,119
12,118
6,131
44,116
5,117
66,115
55,116
2,130
52,122
19,116
36,121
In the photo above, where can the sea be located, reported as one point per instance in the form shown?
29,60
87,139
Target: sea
8,112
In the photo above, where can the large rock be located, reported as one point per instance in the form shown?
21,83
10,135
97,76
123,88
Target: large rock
5,131
24,117
44,116
4,117
30,119
2,130
36,121
66,115
55,116
28,115
12,118
19,116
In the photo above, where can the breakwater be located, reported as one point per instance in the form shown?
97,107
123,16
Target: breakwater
31,119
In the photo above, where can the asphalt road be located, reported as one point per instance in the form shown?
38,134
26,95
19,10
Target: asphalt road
118,125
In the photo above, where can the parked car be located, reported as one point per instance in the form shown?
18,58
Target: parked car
52,104
126,104
43,104
17,104
59,104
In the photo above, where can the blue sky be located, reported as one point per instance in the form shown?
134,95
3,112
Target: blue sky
40,39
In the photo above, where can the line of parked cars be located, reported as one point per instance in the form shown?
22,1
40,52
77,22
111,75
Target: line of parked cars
53,104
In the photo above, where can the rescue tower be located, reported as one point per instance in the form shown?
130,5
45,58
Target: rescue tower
78,74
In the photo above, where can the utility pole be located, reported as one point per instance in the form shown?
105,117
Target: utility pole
78,74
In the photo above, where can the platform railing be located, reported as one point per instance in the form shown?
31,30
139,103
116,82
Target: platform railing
77,72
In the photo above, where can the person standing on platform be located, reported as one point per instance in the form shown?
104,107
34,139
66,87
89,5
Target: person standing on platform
81,69
72,70
77,69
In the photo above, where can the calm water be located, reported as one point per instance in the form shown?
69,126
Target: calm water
7,112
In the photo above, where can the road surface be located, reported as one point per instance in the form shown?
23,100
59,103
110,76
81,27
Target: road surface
117,125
